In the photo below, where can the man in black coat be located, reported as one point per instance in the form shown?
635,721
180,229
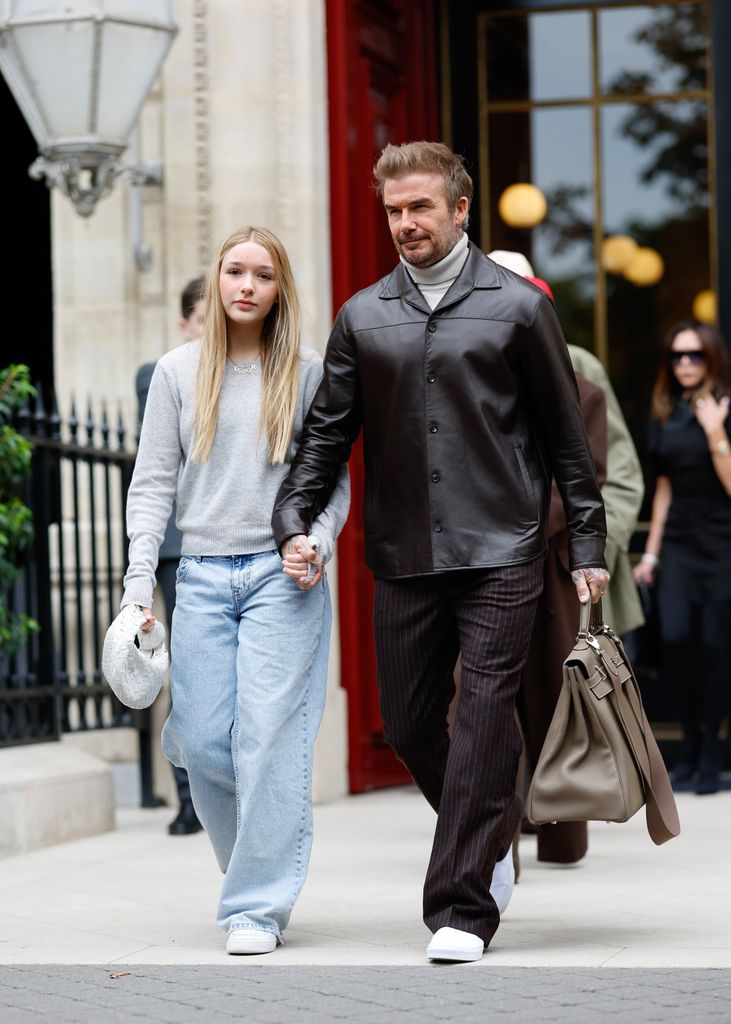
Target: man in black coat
457,371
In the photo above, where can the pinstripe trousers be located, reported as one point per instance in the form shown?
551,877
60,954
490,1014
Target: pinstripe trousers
421,625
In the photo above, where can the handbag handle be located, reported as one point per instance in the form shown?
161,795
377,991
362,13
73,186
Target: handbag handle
590,615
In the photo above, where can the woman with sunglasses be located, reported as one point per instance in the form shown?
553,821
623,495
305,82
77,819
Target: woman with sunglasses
688,546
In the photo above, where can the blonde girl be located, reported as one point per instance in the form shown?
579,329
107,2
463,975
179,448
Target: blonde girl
250,635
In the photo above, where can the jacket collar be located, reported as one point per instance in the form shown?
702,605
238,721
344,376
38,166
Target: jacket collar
478,272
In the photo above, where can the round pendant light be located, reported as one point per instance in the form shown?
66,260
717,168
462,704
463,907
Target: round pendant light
522,205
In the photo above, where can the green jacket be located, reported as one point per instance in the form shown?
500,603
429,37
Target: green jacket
622,494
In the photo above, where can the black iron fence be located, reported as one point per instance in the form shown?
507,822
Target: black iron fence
71,583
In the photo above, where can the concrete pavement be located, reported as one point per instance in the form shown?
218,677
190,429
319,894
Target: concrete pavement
138,897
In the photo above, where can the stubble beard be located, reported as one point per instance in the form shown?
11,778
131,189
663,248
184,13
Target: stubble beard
441,247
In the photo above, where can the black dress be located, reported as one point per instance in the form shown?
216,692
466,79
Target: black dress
696,545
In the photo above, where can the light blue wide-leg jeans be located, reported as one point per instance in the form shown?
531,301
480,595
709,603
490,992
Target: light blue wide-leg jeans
249,675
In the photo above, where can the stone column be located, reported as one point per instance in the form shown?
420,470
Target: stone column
239,118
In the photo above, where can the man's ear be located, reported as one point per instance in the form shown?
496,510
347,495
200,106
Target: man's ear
462,209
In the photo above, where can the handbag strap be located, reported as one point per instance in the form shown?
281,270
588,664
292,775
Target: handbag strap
663,822
661,811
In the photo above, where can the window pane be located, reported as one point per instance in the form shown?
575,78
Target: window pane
531,147
653,49
539,57
655,168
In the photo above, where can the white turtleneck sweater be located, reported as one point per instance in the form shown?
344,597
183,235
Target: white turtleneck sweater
433,282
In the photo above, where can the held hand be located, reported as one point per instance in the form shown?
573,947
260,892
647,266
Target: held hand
149,619
711,414
590,583
301,561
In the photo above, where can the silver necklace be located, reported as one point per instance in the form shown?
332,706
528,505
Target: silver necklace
242,367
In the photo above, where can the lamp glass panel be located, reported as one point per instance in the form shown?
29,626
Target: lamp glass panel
124,84
653,49
145,10
58,60
36,8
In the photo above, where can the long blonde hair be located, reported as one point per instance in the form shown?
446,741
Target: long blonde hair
279,358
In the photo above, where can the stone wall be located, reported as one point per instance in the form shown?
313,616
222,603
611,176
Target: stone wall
239,119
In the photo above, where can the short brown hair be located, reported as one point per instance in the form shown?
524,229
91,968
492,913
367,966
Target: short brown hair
667,390
432,157
191,295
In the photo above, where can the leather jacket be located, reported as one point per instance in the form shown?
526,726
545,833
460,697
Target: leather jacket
467,412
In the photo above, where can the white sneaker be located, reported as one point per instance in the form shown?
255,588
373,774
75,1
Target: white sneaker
242,941
452,944
503,881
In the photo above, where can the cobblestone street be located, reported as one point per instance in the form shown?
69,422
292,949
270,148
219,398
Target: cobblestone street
361,995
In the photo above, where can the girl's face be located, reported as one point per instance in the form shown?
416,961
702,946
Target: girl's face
688,360
248,284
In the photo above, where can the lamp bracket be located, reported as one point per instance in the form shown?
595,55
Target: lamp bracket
86,177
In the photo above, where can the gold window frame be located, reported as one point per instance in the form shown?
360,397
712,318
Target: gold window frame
595,103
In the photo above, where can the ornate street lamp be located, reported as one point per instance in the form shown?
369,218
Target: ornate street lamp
80,71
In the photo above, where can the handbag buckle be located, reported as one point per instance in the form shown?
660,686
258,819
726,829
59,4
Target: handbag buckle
601,685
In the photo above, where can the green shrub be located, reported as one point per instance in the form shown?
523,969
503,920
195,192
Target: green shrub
16,523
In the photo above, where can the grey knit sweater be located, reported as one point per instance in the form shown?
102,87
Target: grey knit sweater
224,506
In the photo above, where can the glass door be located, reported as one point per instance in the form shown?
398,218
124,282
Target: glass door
606,110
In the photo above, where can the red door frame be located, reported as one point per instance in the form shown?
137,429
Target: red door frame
381,88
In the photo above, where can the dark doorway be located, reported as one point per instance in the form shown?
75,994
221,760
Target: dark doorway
26,252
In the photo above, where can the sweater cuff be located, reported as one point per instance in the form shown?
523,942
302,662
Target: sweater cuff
137,591
325,543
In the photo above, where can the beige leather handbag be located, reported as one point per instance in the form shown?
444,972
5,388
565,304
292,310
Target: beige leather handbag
600,761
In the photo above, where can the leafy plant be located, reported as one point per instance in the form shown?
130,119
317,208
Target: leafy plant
16,524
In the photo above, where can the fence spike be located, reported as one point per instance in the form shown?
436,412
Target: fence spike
23,418
90,424
73,421
121,432
39,415
54,419
105,426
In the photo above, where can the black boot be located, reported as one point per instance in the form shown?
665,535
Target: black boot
186,823
709,766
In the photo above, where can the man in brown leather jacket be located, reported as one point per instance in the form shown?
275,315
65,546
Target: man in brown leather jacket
457,371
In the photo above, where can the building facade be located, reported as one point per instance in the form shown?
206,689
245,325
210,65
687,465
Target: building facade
273,111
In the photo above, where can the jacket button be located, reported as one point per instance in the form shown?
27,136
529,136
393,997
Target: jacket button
437,528
435,477
431,378
433,428
431,327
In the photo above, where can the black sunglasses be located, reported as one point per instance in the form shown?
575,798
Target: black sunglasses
696,356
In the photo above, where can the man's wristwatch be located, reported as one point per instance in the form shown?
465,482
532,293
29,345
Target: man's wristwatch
721,448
